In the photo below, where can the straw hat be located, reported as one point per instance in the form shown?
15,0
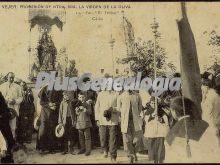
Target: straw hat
59,131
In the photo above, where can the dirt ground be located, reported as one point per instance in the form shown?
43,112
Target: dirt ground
199,154
96,157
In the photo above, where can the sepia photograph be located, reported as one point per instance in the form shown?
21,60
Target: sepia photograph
109,82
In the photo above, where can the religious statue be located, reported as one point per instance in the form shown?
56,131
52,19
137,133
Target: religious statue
46,52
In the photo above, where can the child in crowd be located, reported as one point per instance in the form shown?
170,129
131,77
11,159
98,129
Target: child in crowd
83,124
67,117
156,129
19,153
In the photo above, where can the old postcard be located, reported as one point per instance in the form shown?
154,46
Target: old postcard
109,82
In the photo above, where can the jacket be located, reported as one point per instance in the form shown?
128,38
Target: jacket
104,101
13,91
123,105
64,107
83,120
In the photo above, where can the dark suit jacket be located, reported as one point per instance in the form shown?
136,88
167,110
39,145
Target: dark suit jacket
84,118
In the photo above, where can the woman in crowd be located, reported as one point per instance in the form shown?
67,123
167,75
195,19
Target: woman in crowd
26,117
50,103
184,138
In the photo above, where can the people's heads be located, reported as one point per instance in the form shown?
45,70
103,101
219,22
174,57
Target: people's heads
130,92
11,77
207,79
66,96
176,74
82,96
107,75
23,85
19,153
177,109
152,101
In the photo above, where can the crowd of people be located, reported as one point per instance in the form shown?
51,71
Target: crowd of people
77,119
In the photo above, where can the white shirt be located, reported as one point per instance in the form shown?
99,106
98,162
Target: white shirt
12,91
104,101
155,129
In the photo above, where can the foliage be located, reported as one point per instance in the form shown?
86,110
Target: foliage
214,43
143,59
71,70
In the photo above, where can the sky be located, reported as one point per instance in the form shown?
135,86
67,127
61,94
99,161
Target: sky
87,40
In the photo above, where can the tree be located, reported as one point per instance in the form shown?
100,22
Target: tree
143,59
214,43
71,70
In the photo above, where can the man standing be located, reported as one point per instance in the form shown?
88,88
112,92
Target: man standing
13,96
107,119
130,106
5,129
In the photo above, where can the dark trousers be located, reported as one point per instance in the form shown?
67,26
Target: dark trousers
119,137
156,149
132,139
85,139
70,135
108,139
6,132
95,136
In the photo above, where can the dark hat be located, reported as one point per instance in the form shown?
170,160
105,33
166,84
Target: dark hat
13,113
108,114
190,107
176,74
207,79
86,79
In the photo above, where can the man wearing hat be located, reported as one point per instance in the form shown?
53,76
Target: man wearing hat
12,93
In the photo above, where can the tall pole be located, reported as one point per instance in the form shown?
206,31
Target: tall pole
112,41
29,54
154,27
123,18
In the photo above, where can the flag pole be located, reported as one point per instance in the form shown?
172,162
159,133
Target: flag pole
112,41
188,150
154,27
123,18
